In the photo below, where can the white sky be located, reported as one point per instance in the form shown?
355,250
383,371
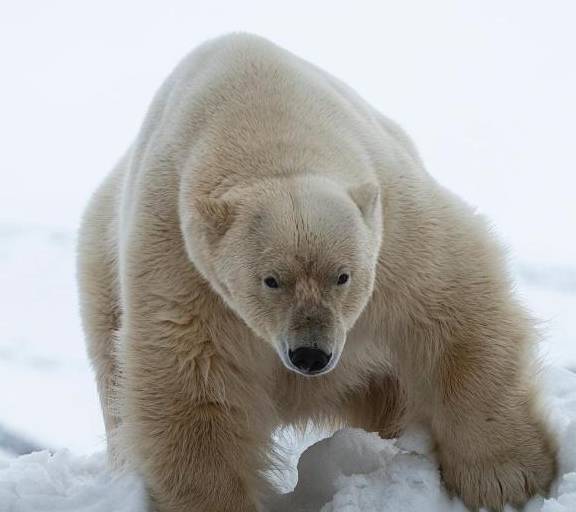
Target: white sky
487,90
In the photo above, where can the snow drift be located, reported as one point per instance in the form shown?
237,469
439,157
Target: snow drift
349,472
41,482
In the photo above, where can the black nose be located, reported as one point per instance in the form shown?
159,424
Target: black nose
309,360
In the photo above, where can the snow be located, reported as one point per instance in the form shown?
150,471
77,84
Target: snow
44,371
41,482
351,471
357,471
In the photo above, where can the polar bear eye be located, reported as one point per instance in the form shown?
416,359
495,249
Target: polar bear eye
271,282
342,279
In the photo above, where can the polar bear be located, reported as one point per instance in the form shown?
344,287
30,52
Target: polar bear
271,251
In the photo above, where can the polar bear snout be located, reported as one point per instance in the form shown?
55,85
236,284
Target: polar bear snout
312,348
309,360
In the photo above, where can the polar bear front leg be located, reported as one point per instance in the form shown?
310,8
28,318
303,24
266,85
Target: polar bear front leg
492,444
190,429
378,406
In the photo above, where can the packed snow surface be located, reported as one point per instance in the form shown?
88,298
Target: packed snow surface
352,471
41,482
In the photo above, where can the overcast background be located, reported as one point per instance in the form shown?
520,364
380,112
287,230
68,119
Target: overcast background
486,89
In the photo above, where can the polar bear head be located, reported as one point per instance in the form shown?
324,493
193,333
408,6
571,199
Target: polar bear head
295,258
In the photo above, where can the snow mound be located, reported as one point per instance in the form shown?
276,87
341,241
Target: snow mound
351,471
42,482
357,471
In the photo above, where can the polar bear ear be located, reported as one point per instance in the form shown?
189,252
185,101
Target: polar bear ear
217,214
366,196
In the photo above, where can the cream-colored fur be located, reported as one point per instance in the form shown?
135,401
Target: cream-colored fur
253,163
